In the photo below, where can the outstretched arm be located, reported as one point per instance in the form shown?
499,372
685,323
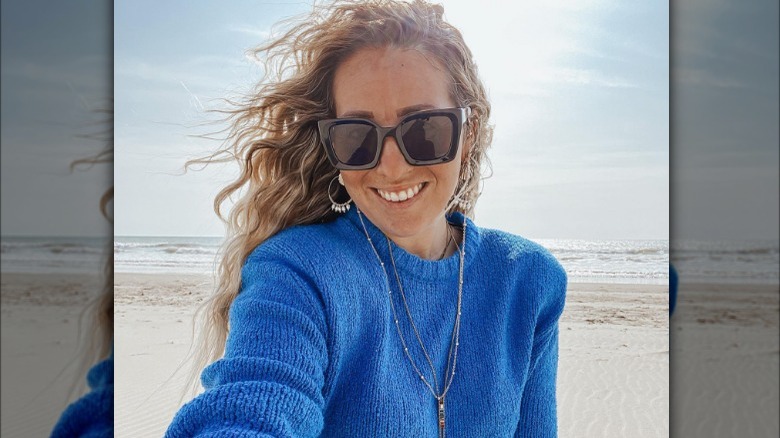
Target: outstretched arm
538,412
269,382
93,414
538,407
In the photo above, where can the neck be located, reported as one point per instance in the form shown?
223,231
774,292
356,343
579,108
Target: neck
430,243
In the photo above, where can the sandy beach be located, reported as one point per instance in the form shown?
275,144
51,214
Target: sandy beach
613,374
40,341
725,361
614,353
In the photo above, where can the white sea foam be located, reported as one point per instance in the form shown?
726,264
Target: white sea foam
735,262
54,254
645,261
166,254
614,261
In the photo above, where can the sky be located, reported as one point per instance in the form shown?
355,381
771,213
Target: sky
580,105
725,144
56,80
579,94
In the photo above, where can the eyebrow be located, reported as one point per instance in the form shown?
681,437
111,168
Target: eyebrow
400,113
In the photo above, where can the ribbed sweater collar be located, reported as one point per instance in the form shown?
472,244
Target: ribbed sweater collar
410,265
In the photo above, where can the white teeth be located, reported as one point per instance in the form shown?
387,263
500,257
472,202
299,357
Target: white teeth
401,195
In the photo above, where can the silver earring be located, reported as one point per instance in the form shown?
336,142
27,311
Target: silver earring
342,207
462,204
460,199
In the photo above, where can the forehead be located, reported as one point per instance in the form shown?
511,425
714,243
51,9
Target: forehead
381,81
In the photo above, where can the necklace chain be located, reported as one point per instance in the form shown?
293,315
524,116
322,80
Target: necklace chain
447,242
452,356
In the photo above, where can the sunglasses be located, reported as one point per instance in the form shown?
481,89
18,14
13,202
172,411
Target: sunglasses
424,137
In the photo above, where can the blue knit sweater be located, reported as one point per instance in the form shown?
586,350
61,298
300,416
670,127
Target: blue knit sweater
91,416
313,349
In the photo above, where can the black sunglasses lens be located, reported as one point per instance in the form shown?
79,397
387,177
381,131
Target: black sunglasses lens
427,138
354,143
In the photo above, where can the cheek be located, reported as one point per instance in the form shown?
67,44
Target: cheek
450,175
352,179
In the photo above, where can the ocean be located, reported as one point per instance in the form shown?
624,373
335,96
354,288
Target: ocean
735,262
54,255
614,261
588,261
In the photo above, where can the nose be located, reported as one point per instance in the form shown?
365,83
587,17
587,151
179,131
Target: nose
392,163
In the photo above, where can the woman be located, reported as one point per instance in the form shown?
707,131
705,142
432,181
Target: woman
367,303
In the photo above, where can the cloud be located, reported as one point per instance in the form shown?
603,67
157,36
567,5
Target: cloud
78,72
198,73
588,78
705,78
255,32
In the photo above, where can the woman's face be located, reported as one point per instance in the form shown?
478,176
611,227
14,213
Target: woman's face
383,85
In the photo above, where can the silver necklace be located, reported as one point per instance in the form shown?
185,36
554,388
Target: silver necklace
447,242
452,357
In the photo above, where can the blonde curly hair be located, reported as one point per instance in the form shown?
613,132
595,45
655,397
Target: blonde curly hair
284,171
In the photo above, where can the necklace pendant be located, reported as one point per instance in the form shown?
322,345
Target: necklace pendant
441,417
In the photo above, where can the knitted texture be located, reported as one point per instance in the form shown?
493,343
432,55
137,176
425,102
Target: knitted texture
313,349
91,416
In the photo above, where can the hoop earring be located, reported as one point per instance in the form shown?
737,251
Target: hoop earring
335,206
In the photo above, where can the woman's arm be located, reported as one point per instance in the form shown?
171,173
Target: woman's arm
269,382
538,407
93,414
538,413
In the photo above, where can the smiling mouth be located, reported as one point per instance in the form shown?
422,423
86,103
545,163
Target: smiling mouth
401,195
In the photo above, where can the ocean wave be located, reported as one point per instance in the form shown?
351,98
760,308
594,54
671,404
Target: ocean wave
616,274
167,247
748,247
186,250
612,252
52,247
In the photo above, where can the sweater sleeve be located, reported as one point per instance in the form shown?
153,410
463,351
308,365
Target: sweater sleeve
538,413
269,382
91,416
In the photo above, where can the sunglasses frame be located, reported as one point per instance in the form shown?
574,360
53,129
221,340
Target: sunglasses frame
458,116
